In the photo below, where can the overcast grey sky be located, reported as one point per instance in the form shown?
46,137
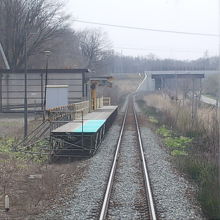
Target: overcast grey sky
179,15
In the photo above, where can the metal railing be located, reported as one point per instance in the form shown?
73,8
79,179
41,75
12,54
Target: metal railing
100,102
106,101
71,111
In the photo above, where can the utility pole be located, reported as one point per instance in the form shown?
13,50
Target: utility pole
47,53
217,106
121,64
25,90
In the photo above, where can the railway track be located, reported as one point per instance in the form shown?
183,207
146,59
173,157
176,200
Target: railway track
128,193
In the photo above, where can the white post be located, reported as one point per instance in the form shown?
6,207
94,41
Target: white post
6,203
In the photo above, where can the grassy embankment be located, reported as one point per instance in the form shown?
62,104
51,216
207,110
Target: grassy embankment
192,145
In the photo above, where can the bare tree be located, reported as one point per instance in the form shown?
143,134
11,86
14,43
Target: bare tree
93,44
106,64
19,19
65,50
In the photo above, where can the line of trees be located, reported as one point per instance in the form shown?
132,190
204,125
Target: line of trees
33,23
128,64
33,26
43,25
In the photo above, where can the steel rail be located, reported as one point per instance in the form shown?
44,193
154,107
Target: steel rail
145,171
112,173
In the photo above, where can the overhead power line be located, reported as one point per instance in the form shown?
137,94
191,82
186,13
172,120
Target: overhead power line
148,29
165,50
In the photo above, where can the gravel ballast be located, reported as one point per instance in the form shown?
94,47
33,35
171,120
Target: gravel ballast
128,198
174,196
87,197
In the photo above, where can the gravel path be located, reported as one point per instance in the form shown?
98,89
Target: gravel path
169,188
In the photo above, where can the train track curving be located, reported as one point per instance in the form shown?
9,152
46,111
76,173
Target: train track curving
128,193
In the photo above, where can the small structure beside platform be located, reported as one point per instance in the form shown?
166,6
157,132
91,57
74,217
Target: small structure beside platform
12,87
57,95
82,137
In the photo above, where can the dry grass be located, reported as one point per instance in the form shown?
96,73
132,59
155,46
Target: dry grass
33,188
128,84
11,125
30,195
200,162
181,113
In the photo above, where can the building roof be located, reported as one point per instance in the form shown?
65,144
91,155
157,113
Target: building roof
206,72
183,74
44,71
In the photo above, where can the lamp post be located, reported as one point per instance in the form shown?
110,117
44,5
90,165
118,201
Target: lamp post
47,54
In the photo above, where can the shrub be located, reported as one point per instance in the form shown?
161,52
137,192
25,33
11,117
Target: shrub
206,175
163,131
150,110
178,153
36,153
177,142
6,145
141,103
153,120
210,200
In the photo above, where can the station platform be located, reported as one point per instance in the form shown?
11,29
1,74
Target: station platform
82,137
